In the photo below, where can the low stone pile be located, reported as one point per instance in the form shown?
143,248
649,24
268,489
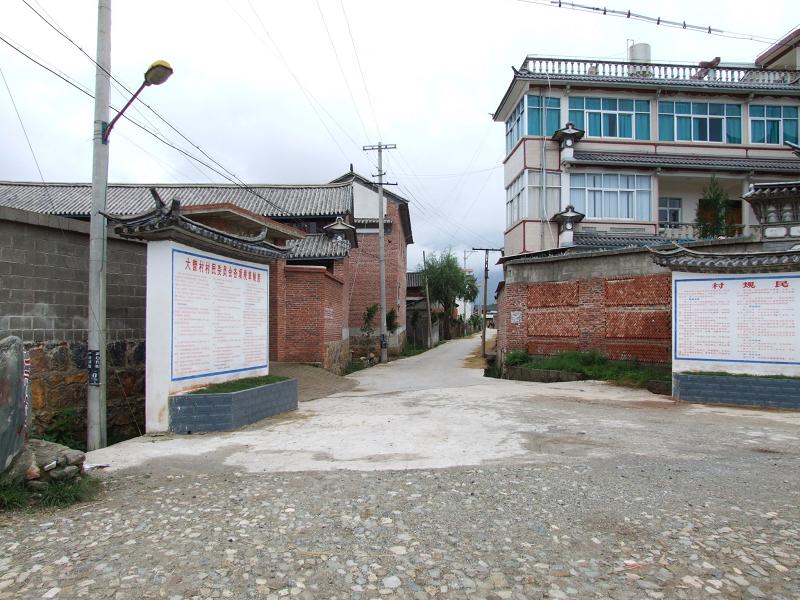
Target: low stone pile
41,462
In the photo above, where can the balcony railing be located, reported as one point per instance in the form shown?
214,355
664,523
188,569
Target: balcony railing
738,76
695,231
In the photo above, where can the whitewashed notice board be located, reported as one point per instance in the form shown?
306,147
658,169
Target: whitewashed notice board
207,322
736,323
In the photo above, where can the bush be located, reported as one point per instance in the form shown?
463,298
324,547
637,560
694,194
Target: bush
592,365
517,358
391,321
63,429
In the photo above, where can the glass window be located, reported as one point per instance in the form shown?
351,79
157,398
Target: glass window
773,124
515,196
611,195
547,109
514,126
699,122
611,117
669,210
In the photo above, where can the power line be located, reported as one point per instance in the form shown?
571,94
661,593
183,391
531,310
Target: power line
237,182
60,31
628,14
341,70
360,69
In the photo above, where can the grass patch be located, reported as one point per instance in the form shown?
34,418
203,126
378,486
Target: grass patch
355,365
239,384
58,494
592,365
412,350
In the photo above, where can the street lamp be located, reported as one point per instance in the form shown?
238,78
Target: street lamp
156,74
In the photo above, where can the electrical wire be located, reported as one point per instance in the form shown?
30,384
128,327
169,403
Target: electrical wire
361,70
628,14
341,70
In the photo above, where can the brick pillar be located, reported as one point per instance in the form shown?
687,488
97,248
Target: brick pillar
277,310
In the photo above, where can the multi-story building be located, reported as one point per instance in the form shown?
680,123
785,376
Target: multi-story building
631,146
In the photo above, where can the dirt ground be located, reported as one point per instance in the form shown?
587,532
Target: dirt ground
312,382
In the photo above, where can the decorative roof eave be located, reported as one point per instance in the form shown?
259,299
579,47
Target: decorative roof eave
685,162
692,261
166,223
693,85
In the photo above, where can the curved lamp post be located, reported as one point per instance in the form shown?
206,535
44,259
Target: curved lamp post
156,74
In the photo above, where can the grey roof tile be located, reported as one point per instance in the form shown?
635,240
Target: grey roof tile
280,201
611,241
683,161
317,245
684,259
414,279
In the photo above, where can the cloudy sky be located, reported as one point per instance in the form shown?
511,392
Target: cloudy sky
289,91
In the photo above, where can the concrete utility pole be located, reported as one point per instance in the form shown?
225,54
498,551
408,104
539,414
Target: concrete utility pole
381,258
485,285
96,409
428,302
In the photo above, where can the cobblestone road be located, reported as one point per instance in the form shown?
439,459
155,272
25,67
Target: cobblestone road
710,511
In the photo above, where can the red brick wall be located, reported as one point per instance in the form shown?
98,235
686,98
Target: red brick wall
315,316
621,317
364,271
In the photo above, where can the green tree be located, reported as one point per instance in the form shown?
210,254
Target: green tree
447,282
712,211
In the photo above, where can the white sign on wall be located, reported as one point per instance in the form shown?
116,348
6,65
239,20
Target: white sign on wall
207,322
736,323
220,318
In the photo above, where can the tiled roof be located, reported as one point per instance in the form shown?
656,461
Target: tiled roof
414,280
776,189
683,161
371,220
610,240
683,259
74,199
317,245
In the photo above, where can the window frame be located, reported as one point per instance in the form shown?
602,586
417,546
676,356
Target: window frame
595,196
515,197
669,209
699,117
604,111
780,121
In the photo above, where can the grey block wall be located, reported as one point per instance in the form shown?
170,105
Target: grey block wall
44,280
192,413
761,392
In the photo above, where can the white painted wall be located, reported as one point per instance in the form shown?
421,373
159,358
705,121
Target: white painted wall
365,202
161,381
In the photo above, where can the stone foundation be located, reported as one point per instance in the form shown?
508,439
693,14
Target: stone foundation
58,384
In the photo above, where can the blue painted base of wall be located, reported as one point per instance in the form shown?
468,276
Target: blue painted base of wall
192,413
760,392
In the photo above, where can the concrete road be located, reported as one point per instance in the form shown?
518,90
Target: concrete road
430,411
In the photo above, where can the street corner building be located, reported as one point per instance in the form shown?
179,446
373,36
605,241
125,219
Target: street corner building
608,159
322,243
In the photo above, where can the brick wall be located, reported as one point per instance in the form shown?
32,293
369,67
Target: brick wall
43,300
624,315
364,278
315,318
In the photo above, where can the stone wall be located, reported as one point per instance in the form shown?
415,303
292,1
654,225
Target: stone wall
14,409
43,300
